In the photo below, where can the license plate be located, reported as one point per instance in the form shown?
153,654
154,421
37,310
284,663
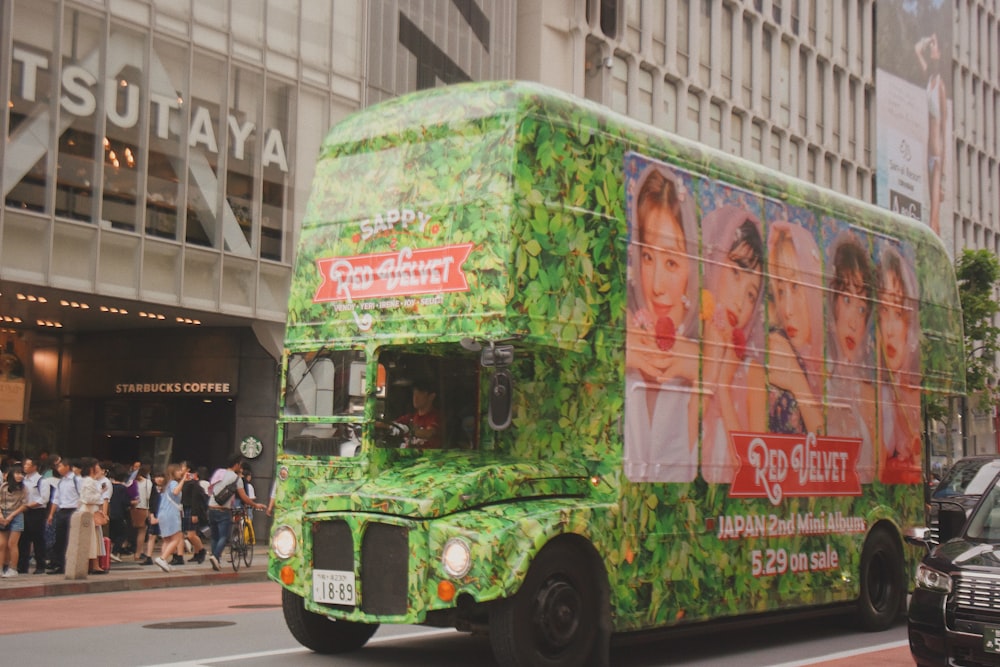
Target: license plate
991,639
334,587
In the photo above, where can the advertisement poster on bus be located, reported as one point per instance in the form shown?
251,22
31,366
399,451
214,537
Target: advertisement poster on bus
765,348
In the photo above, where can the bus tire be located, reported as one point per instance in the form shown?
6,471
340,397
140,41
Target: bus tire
883,582
319,633
560,616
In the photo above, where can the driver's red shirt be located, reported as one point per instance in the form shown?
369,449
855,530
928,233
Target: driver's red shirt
430,420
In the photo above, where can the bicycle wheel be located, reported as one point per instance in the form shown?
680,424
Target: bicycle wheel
248,541
236,545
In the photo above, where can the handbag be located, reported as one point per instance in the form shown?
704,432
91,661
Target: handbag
100,518
139,515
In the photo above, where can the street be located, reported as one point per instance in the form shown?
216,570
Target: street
219,624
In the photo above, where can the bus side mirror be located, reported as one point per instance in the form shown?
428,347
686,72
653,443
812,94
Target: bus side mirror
501,399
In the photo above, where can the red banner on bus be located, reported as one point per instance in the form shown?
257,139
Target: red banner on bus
405,272
774,466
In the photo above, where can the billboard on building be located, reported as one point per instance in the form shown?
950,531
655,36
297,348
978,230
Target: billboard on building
13,378
915,163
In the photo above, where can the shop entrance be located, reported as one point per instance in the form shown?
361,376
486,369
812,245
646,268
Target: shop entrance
199,431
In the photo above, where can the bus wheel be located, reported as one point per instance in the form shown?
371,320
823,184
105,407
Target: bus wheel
559,617
883,582
319,633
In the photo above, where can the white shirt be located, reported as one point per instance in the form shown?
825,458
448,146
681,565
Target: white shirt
67,495
38,490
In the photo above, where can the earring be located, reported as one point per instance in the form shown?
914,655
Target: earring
685,301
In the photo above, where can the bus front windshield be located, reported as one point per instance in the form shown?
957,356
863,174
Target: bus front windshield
422,400
324,403
325,383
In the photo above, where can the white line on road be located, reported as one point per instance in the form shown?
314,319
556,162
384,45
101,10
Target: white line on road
204,662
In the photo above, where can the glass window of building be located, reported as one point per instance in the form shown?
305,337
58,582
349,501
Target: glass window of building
124,99
30,107
206,135
766,71
246,96
81,145
633,25
705,43
726,47
644,103
658,29
166,139
277,186
682,33
746,96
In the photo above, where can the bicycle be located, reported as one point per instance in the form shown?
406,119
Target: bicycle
242,539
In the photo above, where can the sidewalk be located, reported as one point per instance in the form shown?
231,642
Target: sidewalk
130,576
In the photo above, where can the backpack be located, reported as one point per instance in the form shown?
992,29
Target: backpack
223,495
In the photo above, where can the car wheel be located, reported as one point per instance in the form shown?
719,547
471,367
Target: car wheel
559,617
319,633
883,583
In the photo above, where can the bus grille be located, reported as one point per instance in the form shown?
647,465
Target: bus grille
333,546
385,558
977,598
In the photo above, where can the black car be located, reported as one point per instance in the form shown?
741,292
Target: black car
954,612
961,486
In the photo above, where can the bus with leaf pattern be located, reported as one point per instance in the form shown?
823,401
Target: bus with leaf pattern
672,386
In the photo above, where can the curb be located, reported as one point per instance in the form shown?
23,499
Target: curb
124,582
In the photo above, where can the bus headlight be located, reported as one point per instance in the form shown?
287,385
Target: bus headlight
932,580
283,543
456,557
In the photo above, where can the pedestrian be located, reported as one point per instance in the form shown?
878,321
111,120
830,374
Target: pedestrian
119,513
48,467
12,506
143,487
92,501
36,507
250,491
220,505
133,472
65,500
270,501
169,515
153,527
195,503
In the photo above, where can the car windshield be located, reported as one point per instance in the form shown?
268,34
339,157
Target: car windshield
968,477
984,524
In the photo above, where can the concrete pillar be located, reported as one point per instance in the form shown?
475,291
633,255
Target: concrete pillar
81,531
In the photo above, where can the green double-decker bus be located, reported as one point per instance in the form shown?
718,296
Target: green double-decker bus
553,374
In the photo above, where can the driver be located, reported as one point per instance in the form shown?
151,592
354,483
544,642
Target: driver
422,427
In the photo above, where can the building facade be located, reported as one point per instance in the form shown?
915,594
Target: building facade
158,154
157,158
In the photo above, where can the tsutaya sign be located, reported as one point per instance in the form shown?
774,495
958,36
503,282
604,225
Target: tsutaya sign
80,93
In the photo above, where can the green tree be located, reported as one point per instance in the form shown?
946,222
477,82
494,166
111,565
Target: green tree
978,273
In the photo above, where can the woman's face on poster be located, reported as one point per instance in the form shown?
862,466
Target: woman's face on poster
738,290
850,318
893,320
663,266
791,297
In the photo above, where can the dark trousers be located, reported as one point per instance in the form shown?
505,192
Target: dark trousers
33,536
221,523
58,557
